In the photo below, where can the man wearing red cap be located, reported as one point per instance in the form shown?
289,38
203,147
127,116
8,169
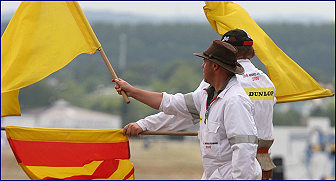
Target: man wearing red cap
257,85
262,93
228,134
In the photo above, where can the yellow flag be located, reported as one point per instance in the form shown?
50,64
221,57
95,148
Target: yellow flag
41,38
292,83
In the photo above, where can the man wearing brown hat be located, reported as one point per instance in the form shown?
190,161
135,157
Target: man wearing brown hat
228,134
257,85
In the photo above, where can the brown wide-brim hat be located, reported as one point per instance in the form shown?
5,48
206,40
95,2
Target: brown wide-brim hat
224,54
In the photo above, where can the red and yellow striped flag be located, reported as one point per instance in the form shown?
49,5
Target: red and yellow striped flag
71,154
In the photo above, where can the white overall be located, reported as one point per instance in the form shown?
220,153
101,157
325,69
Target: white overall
230,117
253,80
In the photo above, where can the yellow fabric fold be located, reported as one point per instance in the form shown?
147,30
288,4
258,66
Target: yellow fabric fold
66,135
292,83
10,103
41,38
38,172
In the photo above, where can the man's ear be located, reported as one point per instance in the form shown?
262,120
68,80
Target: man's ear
215,66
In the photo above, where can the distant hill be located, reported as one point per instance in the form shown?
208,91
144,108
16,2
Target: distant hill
127,18
112,17
312,46
159,57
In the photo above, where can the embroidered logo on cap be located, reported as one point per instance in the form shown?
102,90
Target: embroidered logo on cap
225,38
228,38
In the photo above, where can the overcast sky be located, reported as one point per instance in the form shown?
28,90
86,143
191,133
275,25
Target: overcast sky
257,9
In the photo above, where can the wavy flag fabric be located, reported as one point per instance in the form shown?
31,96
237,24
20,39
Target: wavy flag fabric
292,83
71,154
41,38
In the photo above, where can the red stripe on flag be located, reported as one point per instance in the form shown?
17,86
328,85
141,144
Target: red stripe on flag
104,170
61,154
129,174
14,152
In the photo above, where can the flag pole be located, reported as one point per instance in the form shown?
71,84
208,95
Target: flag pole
114,75
170,133
101,51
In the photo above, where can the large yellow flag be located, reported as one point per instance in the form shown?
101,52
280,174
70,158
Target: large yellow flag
292,83
71,154
41,38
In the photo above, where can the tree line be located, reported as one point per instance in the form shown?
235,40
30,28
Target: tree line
159,57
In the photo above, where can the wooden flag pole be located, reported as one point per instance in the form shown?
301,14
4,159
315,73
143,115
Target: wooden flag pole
171,133
114,75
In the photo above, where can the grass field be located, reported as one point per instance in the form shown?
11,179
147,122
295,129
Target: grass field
162,160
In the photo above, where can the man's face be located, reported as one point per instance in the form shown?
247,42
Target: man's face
207,70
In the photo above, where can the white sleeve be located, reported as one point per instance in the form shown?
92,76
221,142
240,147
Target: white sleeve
165,122
174,105
242,134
